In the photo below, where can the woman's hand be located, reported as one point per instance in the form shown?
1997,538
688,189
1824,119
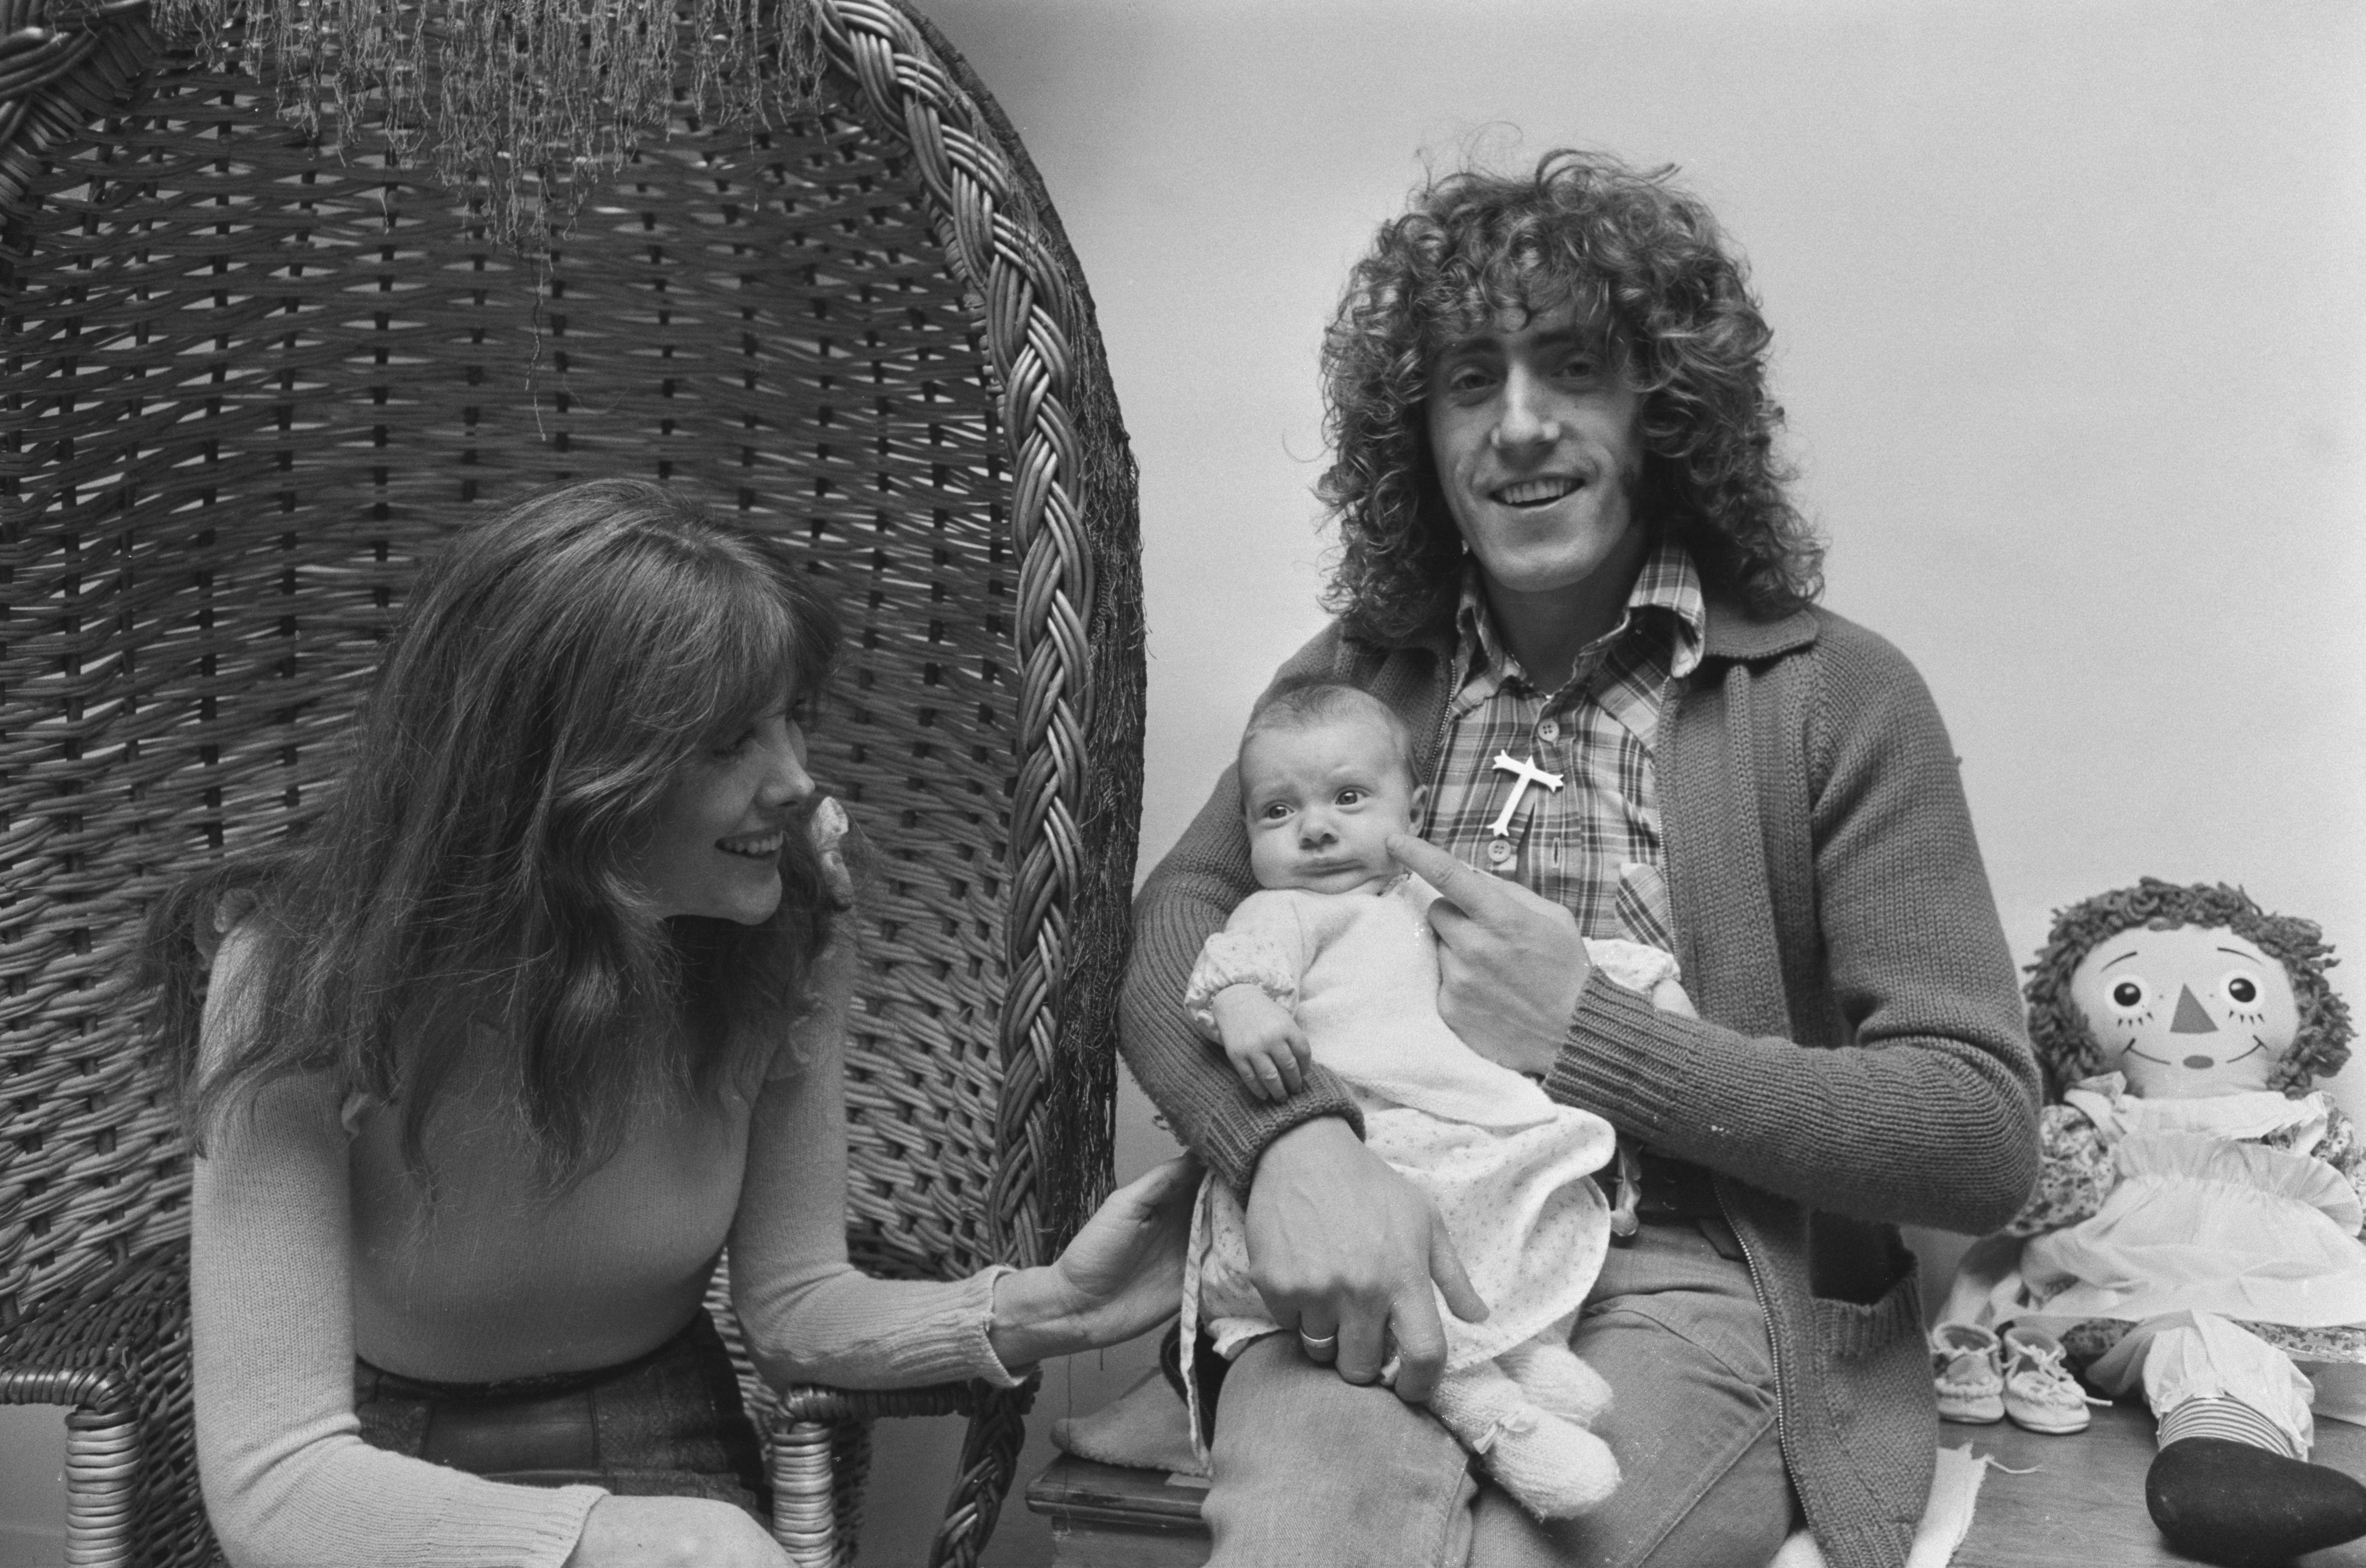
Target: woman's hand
1121,1276
673,1532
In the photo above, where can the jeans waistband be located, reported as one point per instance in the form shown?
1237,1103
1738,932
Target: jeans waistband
543,1385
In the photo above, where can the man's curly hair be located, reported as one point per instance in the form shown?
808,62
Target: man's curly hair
1638,255
2068,1050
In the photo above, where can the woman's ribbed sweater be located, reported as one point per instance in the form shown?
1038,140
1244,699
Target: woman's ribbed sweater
309,1242
1827,895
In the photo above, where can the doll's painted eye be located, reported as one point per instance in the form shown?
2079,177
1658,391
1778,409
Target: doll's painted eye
2127,994
2241,988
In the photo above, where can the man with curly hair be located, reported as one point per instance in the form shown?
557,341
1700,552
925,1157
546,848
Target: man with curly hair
1569,562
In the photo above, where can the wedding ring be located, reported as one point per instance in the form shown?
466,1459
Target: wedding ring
1318,1347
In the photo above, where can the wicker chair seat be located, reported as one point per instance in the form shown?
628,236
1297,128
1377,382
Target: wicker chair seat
252,377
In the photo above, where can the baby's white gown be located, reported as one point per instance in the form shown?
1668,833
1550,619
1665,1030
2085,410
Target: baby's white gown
1509,1169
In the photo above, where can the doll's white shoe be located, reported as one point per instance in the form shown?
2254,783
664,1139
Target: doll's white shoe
1966,1373
2039,1391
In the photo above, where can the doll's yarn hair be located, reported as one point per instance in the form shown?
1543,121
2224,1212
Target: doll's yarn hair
2068,1050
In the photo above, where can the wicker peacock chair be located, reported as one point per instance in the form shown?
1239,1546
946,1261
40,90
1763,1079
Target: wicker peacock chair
253,373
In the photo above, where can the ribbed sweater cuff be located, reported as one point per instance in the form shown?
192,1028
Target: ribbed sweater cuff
1236,1141
1621,1051
549,1532
531,1527
976,1331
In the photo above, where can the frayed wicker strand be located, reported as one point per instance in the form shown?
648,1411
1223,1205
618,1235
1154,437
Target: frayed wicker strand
541,100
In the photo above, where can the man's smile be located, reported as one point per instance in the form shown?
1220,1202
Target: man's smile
1534,492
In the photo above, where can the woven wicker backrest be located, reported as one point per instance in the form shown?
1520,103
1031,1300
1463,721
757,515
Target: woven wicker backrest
251,380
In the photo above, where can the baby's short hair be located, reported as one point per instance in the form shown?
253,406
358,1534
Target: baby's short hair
1301,705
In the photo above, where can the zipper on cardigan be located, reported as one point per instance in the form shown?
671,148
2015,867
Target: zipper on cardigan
1765,1316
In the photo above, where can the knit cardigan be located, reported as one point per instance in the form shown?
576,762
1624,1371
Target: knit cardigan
1860,1059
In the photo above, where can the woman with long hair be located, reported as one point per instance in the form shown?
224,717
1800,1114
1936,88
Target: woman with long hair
487,1068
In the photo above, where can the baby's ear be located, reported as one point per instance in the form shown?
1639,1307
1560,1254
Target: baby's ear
1420,801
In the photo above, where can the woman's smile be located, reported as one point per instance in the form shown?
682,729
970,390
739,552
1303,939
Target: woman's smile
714,843
758,846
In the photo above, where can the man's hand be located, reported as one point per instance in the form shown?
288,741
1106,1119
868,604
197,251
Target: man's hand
1340,1243
1262,1041
1510,964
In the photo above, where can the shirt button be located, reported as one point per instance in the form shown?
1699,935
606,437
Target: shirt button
1499,851
1550,731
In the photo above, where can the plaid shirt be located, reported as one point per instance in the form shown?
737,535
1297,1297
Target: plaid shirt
1594,845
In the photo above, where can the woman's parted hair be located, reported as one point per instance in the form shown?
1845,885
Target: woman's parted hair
2067,1047
468,877
1634,255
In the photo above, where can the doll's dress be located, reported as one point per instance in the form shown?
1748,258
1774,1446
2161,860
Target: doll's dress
2129,1188
2205,1216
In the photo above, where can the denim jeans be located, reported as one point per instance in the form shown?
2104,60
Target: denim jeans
1310,1472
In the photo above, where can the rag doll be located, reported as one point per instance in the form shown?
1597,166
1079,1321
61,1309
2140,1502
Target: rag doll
2194,1233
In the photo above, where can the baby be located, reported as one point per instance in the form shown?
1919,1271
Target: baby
1335,962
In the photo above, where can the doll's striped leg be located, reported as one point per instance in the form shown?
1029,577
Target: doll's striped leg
2230,1485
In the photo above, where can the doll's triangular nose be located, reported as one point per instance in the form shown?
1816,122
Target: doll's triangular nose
2189,1019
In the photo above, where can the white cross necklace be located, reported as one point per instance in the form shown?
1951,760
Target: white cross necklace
1523,774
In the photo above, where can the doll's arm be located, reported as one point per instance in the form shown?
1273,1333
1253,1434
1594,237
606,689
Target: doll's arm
2075,1174
2338,1144
2344,1151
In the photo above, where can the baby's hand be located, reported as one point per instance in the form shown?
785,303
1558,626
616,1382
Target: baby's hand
1669,997
1639,967
1262,1041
